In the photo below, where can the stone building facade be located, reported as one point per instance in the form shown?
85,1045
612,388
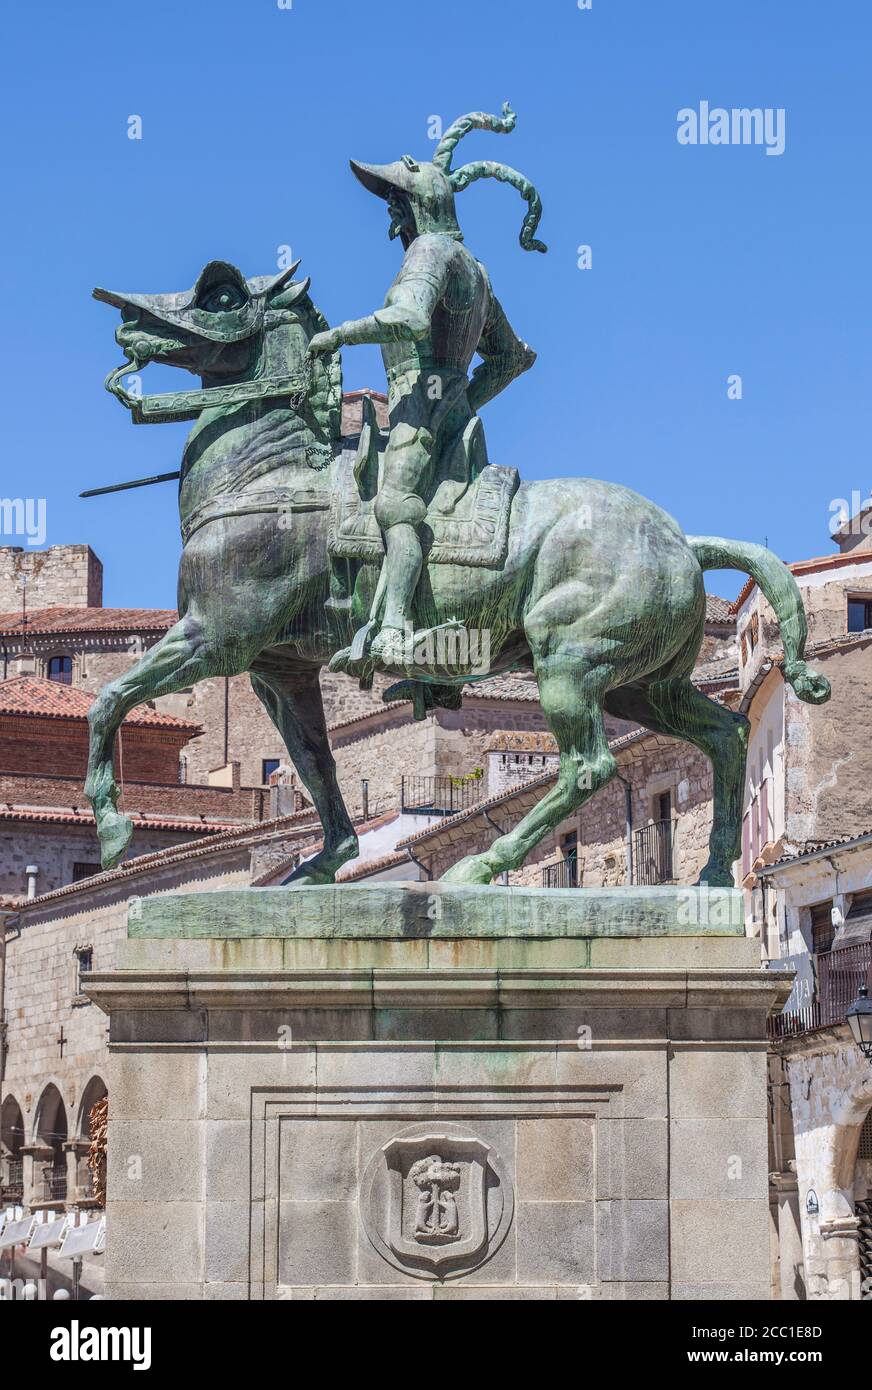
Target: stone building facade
807,871
53,1040
427,793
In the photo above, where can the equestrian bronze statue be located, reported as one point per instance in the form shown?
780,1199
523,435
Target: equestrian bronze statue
392,551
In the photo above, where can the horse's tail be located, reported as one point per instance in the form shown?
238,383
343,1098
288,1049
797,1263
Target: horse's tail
780,588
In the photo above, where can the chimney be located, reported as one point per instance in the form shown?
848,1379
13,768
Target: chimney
282,792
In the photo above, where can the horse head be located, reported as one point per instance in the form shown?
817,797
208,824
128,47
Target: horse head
245,338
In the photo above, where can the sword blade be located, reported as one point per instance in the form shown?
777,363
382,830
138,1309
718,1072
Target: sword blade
137,482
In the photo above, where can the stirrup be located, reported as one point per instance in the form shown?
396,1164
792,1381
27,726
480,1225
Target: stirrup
359,641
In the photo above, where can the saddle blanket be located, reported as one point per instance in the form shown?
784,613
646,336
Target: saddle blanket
475,532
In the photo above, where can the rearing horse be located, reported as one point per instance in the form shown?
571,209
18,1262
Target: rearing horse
600,594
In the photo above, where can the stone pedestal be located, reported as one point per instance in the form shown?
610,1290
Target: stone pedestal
417,1092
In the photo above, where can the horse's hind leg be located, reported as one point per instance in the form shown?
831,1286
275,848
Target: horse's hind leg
179,659
570,691
677,708
293,701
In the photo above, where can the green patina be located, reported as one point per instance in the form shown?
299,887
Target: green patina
585,583
439,912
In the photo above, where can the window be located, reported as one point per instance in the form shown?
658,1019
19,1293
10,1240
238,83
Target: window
822,929
268,767
82,870
84,965
60,668
859,614
663,806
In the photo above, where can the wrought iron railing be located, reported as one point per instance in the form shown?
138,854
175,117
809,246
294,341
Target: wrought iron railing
653,853
55,1183
440,795
13,1183
838,977
563,874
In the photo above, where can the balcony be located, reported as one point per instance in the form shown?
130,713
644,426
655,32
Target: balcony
55,1183
653,857
838,976
563,874
13,1183
439,796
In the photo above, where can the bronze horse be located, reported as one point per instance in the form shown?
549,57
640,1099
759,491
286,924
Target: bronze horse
601,594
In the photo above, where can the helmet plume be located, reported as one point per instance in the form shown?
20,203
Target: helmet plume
490,169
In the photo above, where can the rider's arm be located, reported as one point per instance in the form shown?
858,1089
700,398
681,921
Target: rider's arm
410,303
504,356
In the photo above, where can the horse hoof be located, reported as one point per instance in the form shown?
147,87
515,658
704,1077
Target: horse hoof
115,831
307,881
715,876
469,870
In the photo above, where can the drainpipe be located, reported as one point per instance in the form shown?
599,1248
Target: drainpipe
504,876
7,919
628,802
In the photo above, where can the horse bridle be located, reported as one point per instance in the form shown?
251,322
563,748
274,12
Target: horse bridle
172,406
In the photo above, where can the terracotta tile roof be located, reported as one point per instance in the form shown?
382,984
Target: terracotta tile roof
364,868
225,837
31,695
486,804
494,688
143,820
521,741
718,610
809,848
513,687
47,620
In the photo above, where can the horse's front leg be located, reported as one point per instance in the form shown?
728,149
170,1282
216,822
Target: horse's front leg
293,702
179,659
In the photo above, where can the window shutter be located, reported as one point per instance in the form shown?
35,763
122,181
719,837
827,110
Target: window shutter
764,835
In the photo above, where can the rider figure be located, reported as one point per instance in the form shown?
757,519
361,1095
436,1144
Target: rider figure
438,313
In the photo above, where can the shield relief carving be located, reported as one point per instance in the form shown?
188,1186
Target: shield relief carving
436,1201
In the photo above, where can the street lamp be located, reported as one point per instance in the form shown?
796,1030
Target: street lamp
859,1020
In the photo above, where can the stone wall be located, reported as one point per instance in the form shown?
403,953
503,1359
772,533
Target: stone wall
446,743
154,798
61,576
40,978
54,849
237,728
29,744
828,760
825,598
608,1122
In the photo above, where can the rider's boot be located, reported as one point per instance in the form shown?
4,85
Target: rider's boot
390,650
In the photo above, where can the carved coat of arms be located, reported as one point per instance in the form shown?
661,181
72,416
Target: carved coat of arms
436,1201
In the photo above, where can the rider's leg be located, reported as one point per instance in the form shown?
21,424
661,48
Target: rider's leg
403,560
399,511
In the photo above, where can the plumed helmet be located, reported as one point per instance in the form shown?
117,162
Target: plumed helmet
429,187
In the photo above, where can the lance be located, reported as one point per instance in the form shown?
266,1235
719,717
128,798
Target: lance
137,482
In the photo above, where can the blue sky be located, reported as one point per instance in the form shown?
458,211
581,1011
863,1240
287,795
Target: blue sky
707,261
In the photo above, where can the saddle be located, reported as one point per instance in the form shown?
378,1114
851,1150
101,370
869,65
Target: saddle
467,520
